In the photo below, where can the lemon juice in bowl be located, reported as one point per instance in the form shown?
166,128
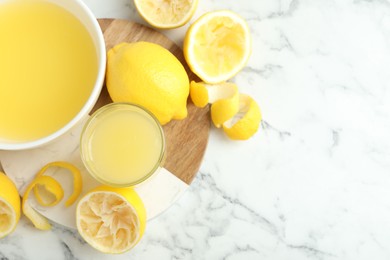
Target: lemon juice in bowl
48,69
122,144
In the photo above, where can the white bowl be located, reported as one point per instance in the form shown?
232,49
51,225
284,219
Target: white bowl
82,12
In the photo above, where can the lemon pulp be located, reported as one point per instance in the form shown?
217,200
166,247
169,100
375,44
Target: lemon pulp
217,46
112,220
6,217
123,145
9,205
166,14
48,68
222,48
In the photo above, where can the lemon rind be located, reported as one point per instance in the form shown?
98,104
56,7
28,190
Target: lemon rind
246,126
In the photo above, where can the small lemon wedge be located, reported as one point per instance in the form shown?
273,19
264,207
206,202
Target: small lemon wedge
112,220
166,14
49,192
9,205
217,46
246,122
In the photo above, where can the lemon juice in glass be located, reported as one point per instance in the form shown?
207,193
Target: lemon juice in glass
122,144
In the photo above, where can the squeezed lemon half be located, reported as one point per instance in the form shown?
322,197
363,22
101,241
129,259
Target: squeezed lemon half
166,14
112,220
9,206
217,46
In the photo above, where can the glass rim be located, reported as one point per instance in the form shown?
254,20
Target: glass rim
84,142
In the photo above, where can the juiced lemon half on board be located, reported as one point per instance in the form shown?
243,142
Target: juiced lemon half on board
217,46
112,220
9,205
166,14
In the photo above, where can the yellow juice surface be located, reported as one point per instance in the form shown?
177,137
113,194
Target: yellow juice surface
48,67
124,146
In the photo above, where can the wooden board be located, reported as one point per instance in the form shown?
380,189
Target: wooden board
186,140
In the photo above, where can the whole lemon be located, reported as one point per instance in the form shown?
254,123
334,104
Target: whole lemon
149,75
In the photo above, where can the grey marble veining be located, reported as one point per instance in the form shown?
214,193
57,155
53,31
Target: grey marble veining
314,183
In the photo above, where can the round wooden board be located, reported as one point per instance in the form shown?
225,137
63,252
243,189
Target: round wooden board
186,139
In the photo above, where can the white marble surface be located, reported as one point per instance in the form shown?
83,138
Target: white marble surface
314,183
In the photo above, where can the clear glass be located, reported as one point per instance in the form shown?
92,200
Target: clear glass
87,137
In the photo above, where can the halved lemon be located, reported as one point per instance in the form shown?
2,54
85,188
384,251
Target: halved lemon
166,14
217,46
112,220
9,205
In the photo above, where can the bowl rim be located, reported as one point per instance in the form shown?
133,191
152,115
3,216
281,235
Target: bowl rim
93,97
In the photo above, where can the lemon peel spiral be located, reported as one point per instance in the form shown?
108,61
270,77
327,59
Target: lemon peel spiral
238,114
